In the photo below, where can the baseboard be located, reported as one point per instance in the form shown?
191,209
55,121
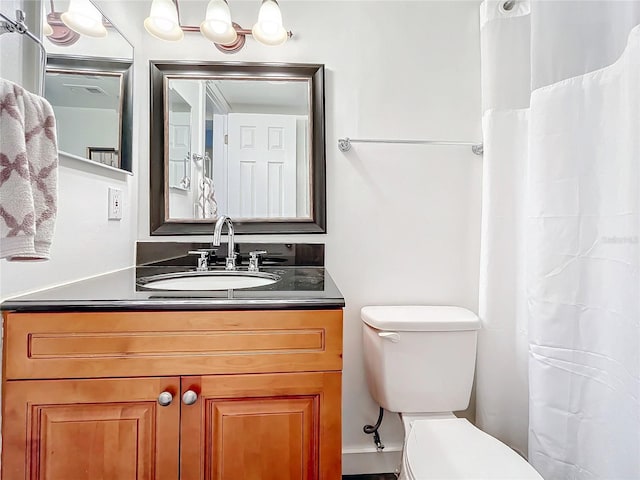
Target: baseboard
368,460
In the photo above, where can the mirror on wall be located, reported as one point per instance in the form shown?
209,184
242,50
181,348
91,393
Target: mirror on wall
240,139
89,85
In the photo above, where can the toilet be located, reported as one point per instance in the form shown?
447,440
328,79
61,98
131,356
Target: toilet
420,362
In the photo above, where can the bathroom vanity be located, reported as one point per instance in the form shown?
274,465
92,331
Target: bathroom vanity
104,380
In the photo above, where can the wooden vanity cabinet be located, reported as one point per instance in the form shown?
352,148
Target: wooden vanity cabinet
89,429
269,427
263,395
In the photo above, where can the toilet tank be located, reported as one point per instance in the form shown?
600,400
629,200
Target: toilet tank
420,359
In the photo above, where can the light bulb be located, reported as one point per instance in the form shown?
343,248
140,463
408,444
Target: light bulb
163,22
217,25
84,18
268,29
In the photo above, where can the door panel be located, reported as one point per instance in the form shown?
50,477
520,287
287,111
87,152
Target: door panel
262,166
264,438
111,429
262,427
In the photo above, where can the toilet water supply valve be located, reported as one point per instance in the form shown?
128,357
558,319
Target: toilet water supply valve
369,429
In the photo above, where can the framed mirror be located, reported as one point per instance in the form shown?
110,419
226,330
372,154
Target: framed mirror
89,85
245,140
91,98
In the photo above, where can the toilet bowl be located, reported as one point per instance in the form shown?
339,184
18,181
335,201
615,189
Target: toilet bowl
453,448
419,362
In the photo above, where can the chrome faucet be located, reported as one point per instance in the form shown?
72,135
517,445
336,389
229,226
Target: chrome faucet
217,231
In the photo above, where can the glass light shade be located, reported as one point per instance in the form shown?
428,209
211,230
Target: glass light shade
163,22
269,30
47,31
84,18
217,25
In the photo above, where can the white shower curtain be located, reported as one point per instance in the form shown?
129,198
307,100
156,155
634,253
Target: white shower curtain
560,288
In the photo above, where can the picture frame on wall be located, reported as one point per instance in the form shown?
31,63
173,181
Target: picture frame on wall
104,155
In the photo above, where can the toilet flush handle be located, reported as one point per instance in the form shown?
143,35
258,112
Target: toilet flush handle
391,336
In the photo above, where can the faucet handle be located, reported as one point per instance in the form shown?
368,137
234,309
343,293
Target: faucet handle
202,251
254,260
202,261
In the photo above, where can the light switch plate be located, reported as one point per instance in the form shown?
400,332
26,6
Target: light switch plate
115,204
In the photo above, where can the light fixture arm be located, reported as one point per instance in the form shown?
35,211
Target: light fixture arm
233,47
238,28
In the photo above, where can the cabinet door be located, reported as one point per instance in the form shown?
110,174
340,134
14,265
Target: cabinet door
262,427
90,430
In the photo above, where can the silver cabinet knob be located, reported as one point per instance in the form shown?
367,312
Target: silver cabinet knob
165,399
189,397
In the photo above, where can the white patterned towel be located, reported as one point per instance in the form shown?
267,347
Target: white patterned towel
28,174
207,205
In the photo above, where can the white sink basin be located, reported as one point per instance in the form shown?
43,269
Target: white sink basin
210,280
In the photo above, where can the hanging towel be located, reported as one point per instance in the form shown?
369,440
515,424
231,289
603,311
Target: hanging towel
206,199
28,174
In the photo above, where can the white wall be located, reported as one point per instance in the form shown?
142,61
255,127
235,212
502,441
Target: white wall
403,221
85,242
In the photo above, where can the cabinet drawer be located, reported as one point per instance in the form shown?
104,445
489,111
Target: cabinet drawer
126,344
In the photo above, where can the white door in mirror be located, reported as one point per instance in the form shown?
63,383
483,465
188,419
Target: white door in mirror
262,166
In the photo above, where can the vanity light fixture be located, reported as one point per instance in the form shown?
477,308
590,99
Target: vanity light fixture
66,32
217,25
269,30
229,37
83,17
163,22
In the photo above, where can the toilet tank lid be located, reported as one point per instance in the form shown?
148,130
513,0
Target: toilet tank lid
420,318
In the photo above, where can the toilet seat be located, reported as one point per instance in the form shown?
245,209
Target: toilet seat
452,448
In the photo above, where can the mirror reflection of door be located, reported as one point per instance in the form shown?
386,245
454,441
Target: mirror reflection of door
262,166
179,141
189,165
179,154
249,148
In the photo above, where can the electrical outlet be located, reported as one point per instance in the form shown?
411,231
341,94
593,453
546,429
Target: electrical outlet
115,204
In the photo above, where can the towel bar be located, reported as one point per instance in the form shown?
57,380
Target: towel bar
344,144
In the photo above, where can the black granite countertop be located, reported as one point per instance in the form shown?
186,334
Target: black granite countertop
300,287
